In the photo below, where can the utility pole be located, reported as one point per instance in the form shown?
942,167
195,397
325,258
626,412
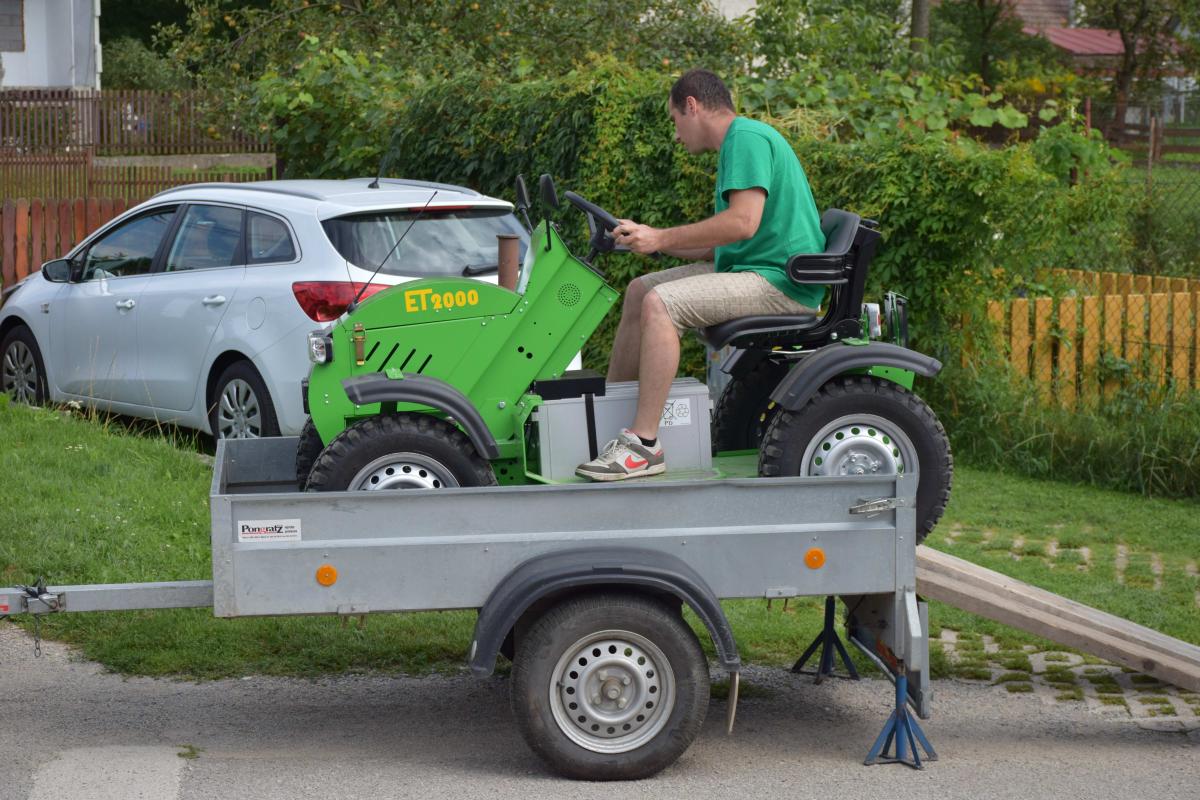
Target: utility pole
919,36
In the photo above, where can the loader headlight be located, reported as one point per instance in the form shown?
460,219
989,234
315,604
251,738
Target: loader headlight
320,347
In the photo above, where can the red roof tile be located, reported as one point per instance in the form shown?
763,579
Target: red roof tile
1083,41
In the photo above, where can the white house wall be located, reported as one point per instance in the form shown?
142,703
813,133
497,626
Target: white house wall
62,46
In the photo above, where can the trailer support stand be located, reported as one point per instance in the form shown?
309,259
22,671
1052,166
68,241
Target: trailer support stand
904,729
827,640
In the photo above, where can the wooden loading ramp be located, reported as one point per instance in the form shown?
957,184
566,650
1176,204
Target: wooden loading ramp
1003,599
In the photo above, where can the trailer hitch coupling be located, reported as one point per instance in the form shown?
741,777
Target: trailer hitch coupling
38,600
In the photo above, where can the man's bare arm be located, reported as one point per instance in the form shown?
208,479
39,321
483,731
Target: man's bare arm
739,221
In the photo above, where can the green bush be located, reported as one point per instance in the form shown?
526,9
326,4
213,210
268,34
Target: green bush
1166,224
953,213
962,222
1142,440
951,210
130,64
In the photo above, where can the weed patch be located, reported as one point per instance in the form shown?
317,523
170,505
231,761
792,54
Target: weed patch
1013,677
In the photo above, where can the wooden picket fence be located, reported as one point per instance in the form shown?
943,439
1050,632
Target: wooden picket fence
1119,327
83,174
35,231
121,122
1124,283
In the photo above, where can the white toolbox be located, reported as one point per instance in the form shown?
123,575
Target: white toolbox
562,427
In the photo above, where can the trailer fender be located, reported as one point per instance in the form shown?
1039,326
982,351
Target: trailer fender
803,381
376,387
572,570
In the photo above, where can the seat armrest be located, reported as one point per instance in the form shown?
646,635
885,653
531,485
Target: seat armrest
817,268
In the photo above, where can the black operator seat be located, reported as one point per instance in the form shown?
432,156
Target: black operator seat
828,268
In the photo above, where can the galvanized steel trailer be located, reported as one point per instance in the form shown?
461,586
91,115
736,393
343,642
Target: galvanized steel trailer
521,554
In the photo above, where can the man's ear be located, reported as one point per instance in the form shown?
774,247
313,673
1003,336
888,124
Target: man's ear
690,106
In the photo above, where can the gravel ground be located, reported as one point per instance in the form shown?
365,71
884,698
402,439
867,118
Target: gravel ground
72,732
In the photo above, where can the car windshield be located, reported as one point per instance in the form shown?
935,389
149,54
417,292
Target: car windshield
443,241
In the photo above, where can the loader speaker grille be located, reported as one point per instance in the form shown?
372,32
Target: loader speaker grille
569,294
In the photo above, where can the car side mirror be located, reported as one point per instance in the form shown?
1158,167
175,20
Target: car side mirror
58,271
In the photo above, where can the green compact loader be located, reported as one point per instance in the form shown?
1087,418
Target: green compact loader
432,383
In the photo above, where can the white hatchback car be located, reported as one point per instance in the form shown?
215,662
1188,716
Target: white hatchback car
194,307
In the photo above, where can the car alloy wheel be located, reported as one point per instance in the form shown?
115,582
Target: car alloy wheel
239,412
19,373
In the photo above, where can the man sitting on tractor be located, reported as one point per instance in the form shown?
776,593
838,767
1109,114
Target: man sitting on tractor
764,213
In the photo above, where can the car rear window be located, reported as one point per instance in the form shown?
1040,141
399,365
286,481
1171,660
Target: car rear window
441,242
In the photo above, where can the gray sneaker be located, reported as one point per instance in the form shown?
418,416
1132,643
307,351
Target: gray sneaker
624,457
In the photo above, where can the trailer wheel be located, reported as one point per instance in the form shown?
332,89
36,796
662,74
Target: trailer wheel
743,410
308,449
401,451
609,687
859,425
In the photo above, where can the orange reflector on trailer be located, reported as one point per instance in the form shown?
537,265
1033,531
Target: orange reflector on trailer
815,558
326,575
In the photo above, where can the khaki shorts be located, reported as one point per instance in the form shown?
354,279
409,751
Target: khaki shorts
696,295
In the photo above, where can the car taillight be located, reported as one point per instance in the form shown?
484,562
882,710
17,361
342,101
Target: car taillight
323,301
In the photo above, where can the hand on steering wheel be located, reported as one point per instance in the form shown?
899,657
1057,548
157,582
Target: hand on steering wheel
638,238
602,225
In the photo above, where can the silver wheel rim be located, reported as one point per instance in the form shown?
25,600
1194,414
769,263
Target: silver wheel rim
20,373
239,412
859,444
403,471
612,691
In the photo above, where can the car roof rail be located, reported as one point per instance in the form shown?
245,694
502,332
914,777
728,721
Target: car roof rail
431,185
295,192
246,187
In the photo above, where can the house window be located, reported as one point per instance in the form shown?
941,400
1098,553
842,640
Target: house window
12,26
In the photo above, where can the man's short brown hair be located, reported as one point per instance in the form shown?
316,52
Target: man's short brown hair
709,90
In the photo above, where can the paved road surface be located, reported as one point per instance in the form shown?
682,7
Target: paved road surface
68,731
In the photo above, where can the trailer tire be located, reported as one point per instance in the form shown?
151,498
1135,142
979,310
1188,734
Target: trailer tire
635,650
864,425
308,450
399,451
744,409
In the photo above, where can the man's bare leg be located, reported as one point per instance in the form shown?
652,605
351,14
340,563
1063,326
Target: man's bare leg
623,364
658,364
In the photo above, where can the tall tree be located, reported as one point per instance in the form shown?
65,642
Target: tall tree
920,24
1153,33
984,32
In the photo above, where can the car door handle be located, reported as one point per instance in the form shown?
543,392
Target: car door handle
125,305
214,300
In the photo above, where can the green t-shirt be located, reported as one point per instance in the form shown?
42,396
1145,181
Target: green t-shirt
754,154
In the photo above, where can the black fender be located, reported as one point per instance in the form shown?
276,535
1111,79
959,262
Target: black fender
597,567
741,363
375,387
813,372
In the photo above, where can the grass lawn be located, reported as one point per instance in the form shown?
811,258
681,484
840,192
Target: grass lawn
91,503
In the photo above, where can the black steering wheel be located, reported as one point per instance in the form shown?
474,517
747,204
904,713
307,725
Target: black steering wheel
600,225
606,220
